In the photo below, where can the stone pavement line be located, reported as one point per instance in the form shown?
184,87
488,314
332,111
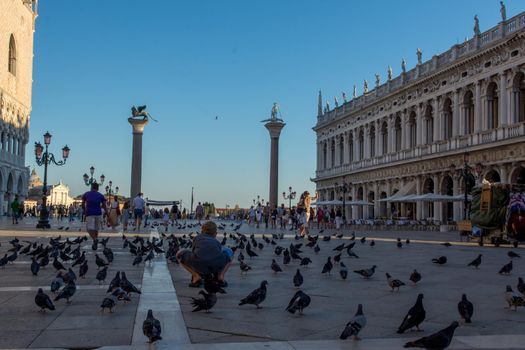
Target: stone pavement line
158,294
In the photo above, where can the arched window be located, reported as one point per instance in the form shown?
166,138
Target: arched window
341,150
429,117
361,145
397,128
384,135
372,141
518,95
11,66
351,147
492,106
412,122
447,114
468,113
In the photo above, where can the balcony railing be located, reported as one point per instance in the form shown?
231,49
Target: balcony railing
440,147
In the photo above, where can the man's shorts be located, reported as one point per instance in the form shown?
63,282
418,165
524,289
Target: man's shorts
138,213
94,222
203,267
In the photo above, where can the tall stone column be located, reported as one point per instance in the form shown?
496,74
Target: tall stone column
136,157
274,128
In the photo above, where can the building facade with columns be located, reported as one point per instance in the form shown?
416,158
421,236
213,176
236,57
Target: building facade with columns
409,134
16,70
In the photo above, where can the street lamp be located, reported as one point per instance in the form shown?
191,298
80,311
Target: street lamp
89,180
258,200
43,157
291,195
465,178
109,189
343,188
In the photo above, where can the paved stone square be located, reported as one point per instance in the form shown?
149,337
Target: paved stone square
334,301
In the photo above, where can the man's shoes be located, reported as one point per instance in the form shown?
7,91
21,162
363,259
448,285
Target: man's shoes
196,284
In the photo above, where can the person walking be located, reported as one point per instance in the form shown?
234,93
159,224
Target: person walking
147,214
199,212
125,215
138,210
93,202
305,202
15,206
114,213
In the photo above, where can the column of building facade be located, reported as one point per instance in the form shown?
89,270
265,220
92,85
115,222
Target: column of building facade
367,141
484,105
346,159
437,190
419,206
378,137
406,128
438,127
503,99
329,153
356,144
354,197
338,150
478,121
419,126
391,134
456,117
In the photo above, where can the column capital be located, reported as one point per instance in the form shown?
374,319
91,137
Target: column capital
138,125
274,128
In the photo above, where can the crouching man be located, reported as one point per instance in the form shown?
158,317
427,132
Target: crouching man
207,256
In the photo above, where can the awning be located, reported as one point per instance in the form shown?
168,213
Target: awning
408,189
361,202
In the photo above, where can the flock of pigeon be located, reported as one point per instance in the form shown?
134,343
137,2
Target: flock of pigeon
60,253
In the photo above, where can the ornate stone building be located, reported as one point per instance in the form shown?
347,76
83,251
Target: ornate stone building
17,18
408,135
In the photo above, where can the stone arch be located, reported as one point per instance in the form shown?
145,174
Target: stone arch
20,185
428,186
518,175
448,118
518,97
468,111
492,105
492,176
447,188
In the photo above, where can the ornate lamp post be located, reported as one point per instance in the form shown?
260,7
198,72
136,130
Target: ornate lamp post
258,200
88,180
109,189
43,157
291,195
343,188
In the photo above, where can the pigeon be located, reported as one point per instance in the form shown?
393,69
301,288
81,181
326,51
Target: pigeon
366,273
476,262
206,303
393,283
57,282
317,249
440,261
257,296
298,279
339,248
506,269
149,257
328,266
446,244
121,295
512,299
35,267
521,286
115,282
278,250
108,303
326,238
58,265
127,285
305,261
299,302
83,269
80,260
356,324
151,328
440,340
372,243
407,241
137,260
100,262
67,292
513,255
275,266
108,253
415,277
465,309
286,257
415,316
337,258
244,267
363,240
69,276
43,301
101,274
250,252
343,271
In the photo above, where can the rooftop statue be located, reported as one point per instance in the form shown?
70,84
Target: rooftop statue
419,54
476,25
274,114
503,11
389,73
403,66
354,94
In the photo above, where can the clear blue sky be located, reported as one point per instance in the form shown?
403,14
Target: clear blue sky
190,61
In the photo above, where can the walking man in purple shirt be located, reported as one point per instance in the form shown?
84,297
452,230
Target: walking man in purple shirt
93,202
